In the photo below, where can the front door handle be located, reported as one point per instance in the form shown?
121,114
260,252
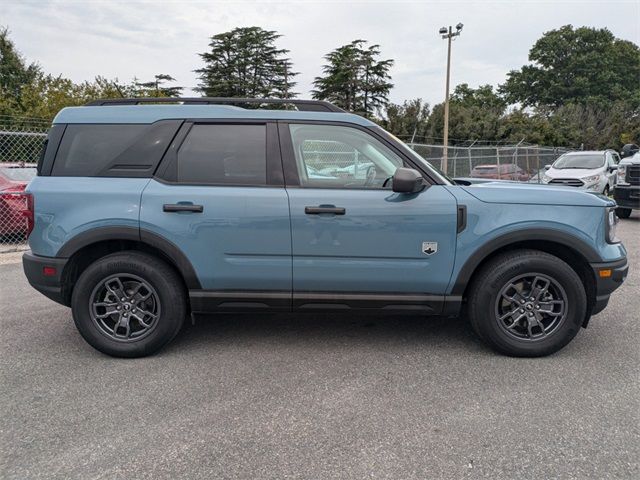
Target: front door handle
325,209
182,207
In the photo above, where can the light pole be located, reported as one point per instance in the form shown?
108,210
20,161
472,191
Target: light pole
448,34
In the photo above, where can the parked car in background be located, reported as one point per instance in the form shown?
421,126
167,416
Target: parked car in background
505,171
14,178
627,191
538,176
593,170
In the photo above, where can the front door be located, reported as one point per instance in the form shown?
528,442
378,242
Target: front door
356,243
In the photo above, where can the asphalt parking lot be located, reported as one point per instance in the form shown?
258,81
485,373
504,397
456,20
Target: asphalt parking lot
317,397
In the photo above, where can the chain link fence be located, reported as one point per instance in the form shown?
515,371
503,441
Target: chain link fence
21,143
524,163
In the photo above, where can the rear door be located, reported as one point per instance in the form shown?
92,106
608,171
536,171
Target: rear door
356,243
219,197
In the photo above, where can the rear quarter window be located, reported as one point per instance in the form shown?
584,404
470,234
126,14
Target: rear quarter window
113,150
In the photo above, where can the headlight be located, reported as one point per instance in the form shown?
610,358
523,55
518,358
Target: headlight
593,178
546,178
612,223
622,172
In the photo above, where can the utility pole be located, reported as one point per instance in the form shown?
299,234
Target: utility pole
448,34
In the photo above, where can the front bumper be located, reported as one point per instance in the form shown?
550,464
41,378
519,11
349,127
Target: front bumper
609,276
49,285
627,196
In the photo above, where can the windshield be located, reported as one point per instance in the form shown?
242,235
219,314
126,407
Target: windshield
588,161
435,172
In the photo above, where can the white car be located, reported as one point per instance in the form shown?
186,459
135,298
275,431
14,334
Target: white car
593,171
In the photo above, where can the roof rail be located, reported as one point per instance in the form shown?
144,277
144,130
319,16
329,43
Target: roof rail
302,105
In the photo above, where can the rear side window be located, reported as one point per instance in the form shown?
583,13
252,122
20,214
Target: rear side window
86,149
224,154
113,150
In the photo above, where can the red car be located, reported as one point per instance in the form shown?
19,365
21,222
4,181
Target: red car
14,178
505,171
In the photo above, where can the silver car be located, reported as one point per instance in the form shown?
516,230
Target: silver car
590,170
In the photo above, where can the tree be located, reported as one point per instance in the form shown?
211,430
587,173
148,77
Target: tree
409,120
583,65
474,114
15,74
155,87
355,79
246,63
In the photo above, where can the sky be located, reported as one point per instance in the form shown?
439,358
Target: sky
82,39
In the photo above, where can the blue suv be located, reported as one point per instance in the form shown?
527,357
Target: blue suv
146,211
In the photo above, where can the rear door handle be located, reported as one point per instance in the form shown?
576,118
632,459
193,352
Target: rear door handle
182,207
327,209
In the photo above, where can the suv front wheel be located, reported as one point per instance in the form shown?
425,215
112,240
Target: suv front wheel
527,303
128,304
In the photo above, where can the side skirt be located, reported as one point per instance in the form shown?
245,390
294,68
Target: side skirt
220,301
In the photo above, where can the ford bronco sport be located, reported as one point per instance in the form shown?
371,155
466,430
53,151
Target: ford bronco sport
145,213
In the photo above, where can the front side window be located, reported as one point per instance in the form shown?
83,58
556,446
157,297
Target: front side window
224,154
334,156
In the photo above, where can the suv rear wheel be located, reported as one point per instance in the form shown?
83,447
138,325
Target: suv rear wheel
527,303
128,304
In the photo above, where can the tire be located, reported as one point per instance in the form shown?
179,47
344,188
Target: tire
516,338
622,212
110,325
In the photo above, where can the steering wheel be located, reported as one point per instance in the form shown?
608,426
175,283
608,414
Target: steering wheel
370,175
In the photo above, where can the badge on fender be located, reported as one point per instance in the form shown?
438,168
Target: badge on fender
429,248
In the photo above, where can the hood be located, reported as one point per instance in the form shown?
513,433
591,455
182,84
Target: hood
635,160
475,180
573,172
534,194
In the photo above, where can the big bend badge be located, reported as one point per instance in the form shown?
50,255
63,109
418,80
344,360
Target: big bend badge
429,248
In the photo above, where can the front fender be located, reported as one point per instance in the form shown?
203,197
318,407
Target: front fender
494,226
463,271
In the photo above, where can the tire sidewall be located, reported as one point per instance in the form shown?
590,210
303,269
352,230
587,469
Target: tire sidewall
170,295
485,301
622,212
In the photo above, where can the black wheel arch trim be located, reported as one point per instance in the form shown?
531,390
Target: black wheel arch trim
572,242
168,248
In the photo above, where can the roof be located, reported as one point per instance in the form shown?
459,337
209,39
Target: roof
153,113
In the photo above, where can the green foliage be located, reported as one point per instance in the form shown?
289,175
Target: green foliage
408,120
15,75
246,63
582,65
473,114
354,79
156,87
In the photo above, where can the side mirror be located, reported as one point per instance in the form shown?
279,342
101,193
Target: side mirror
613,168
547,167
407,180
